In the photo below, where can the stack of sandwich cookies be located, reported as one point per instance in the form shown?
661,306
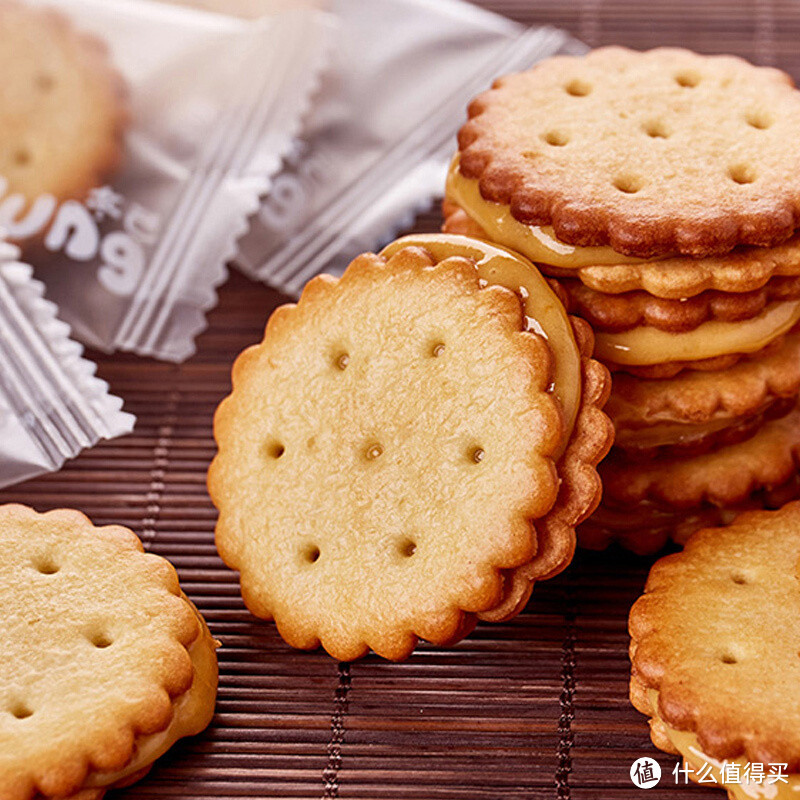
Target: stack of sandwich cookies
660,191
714,651
409,449
104,662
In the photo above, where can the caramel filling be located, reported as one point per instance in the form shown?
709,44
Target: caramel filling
641,346
671,433
686,743
539,244
645,345
643,518
666,432
193,711
544,311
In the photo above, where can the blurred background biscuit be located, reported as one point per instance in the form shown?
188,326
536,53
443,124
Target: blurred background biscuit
62,106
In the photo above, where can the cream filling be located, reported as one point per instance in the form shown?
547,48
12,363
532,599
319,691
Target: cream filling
671,433
539,244
641,346
645,345
665,431
544,311
687,745
193,711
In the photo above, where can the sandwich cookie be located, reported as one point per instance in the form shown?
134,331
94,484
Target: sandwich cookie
698,410
646,186
409,449
631,152
714,652
104,662
646,527
723,477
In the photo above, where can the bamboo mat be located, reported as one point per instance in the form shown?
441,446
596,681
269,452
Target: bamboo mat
535,708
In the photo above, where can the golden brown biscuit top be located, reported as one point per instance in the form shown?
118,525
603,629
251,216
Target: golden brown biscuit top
717,635
93,649
660,152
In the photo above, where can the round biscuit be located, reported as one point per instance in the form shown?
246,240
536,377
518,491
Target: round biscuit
94,640
62,106
384,455
715,640
651,153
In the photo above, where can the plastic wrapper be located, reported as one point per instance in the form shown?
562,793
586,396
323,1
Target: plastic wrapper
205,107
249,9
51,404
377,145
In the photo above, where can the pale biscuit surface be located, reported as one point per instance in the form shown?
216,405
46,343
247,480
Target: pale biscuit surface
717,635
651,153
93,649
382,455
581,398
62,108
